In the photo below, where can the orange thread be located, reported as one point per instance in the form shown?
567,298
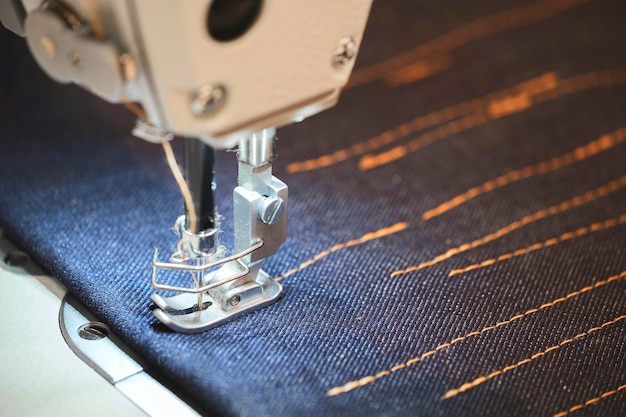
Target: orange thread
541,214
462,35
418,70
509,105
568,86
398,227
138,111
482,379
550,242
135,109
371,378
592,148
368,162
590,401
533,86
182,184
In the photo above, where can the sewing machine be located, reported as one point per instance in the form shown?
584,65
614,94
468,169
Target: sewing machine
220,73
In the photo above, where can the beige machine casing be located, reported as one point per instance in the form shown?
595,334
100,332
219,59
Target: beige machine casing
290,63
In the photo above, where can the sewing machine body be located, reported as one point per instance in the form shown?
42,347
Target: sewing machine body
225,72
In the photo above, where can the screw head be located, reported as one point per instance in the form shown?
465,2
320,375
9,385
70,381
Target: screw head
345,52
271,210
235,300
93,331
207,99
76,60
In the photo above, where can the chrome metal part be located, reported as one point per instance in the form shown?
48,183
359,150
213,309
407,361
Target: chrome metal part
64,46
345,52
112,379
204,244
207,99
271,210
147,131
107,355
259,149
227,287
174,311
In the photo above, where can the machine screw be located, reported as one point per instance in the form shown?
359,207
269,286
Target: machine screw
235,300
207,99
93,331
77,61
271,210
345,52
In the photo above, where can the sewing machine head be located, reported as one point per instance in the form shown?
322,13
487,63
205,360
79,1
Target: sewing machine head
213,69
226,72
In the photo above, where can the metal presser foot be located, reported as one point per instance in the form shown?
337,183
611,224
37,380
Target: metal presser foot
226,287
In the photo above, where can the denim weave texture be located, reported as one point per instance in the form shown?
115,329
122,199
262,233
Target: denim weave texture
517,149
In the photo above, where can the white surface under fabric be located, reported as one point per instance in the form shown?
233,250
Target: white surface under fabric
41,376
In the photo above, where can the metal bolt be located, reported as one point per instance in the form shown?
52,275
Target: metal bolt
235,300
93,331
77,61
271,210
207,99
345,52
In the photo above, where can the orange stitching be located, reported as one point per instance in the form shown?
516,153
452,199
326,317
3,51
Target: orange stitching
587,197
386,231
592,148
457,37
509,105
533,86
372,161
590,401
371,378
482,379
568,86
419,70
550,242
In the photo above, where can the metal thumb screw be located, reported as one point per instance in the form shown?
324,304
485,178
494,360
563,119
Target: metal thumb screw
271,210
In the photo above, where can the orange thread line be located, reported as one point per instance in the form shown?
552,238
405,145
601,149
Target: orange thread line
541,214
135,109
533,86
550,242
368,162
500,109
588,150
462,35
173,165
371,378
590,401
419,70
482,379
509,105
398,227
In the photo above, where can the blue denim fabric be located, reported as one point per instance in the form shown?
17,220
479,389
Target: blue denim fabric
90,202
